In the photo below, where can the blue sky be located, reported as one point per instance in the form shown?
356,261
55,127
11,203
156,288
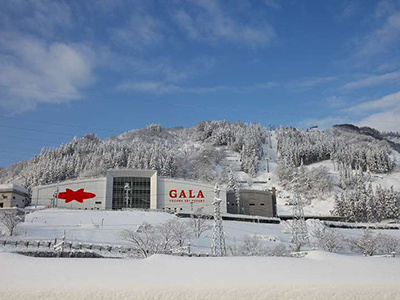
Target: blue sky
68,68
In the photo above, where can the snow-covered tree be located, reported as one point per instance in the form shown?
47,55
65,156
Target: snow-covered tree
10,220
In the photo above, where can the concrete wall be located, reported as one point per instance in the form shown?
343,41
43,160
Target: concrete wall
253,202
12,199
42,195
13,195
170,195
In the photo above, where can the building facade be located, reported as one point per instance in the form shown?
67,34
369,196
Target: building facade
126,188
12,195
252,202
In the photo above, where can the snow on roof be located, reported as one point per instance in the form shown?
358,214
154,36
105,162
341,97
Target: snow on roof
12,187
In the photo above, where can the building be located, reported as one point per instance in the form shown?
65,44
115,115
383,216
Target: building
12,195
252,202
128,189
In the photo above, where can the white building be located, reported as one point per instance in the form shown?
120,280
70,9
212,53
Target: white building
128,189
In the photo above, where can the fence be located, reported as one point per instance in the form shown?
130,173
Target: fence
100,250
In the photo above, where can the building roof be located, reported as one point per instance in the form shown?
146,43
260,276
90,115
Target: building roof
12,187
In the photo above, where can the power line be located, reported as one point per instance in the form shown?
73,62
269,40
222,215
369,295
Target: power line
38,130
60,124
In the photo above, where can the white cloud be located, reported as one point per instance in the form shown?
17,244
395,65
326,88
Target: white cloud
209,22
33,72
381,39
142,30
382,114
324,122
161,88
384,121
373,80
41,17
391,101
312,82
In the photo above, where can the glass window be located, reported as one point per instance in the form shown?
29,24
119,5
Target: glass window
131,192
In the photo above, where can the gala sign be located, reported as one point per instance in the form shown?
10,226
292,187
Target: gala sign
186,196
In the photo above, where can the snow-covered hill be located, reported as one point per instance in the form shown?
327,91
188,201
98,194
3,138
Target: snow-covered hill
207,152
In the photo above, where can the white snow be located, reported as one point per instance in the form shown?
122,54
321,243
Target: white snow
319,275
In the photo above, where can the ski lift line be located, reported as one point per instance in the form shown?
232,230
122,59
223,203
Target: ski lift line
39,90
16,151
28,139
62,124
38,130
16,155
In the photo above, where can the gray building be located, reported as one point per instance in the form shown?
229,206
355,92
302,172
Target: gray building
13,195
252,202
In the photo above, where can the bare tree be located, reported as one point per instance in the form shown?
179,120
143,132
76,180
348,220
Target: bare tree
198,223
167,234
181,232
252,246
278,250
145,239
367,244
329,239
11,220
387,243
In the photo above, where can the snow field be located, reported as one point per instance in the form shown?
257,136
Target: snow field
320,275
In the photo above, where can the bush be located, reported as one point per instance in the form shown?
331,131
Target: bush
329,239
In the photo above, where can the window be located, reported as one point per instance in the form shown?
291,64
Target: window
13,197
131,192
1,204
252,204
262,203
97,202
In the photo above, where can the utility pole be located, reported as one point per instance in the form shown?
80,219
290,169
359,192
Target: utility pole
57,192
218,239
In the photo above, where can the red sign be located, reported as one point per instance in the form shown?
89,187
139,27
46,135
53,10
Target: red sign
186,196
79,195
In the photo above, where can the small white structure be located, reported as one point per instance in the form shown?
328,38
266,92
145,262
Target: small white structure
127,188
13,195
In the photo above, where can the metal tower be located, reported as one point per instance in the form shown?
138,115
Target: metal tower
218,239
299,227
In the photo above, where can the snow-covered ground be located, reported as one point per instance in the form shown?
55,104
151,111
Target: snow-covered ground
86,227
104,227
320,276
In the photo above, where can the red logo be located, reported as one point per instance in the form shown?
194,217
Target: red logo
79,195
182,194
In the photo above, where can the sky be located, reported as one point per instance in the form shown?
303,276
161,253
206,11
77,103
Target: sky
72,67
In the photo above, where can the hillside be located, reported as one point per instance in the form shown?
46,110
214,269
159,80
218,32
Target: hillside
207,152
